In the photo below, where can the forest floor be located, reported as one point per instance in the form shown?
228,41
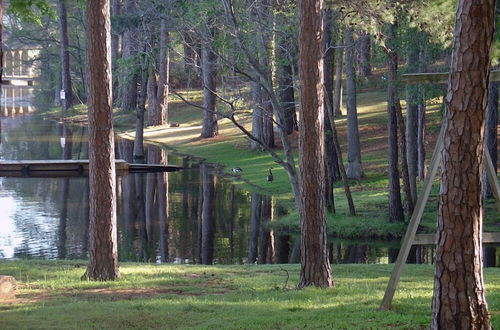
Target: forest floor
51,295
231,149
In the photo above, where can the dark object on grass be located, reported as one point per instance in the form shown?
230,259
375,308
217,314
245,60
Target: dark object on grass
270,177
237,169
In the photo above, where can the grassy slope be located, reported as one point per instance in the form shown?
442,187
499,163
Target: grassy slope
51,295
230,149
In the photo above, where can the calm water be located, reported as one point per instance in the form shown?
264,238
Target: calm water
191,216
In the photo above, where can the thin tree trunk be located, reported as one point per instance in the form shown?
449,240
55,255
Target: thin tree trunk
163,78
491,133
354,168
395,205
421,115
459,300
402,158
129,78
412,104
116,44
209,71
331,165
364,48
65,65
103,255
337,93
315,265
152,97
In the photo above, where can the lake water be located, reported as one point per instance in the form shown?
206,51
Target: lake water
190,216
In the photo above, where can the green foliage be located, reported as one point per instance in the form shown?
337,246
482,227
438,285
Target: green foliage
30,10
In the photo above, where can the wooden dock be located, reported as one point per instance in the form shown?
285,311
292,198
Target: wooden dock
72,168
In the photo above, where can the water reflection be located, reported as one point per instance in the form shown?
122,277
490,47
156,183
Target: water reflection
192,216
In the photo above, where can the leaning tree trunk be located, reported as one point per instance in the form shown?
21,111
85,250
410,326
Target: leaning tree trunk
103,255
315,265
354,169
209,72
459,301
490,133
67,102
395,205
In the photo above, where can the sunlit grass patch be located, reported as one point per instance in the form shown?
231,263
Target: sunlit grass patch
246,296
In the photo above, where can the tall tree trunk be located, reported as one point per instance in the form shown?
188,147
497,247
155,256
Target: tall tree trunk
395,205
364,48
163,78
490,132
257,114
459,301
141,109
116,44
412,104
402,158
152,96
128,88
315,265
67,102
337,93
209,72
354,169
422,67
103,255
332,173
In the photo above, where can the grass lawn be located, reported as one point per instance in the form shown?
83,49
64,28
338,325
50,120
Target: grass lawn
51,295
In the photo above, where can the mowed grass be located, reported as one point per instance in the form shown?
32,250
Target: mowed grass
51,295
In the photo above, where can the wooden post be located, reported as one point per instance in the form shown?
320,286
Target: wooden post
7,287
414,222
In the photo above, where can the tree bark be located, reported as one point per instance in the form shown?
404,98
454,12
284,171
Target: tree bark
490,133
459,300
395,205
129,78
354,168
315,264
163,77
337,93
103,256
332,172
67,102
364,48
209,72
412,104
